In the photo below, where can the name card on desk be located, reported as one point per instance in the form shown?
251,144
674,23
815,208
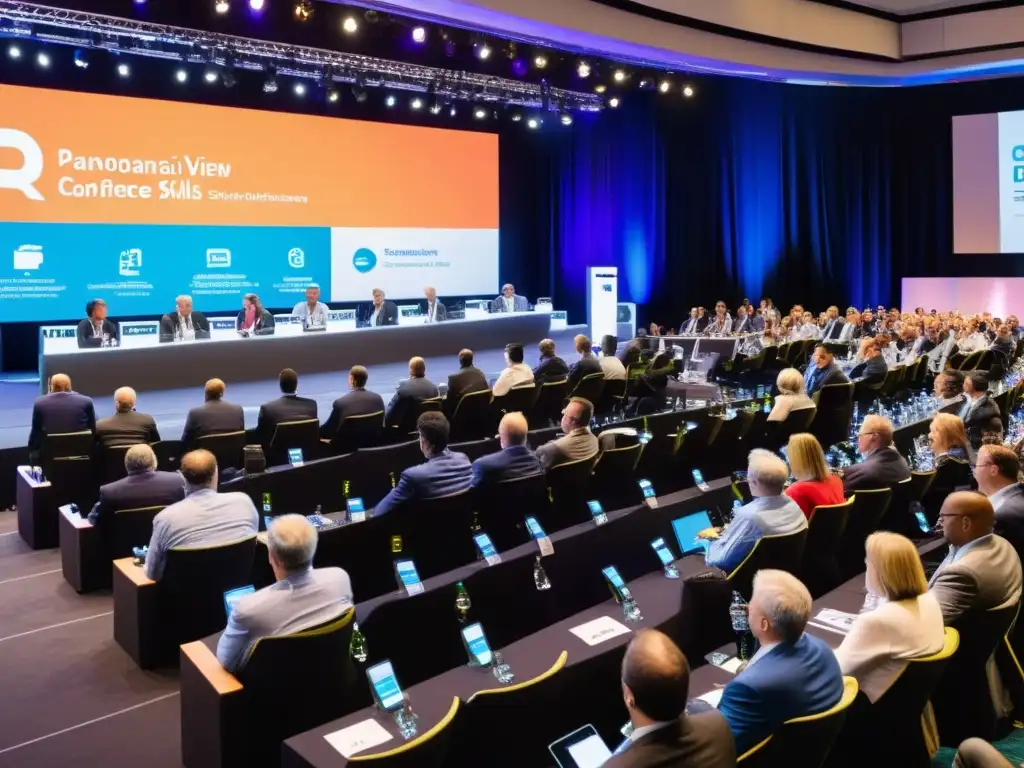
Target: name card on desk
359,737
838,621
599,630
713,697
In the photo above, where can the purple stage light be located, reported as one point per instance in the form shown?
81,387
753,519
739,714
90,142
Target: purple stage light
257,5
520,67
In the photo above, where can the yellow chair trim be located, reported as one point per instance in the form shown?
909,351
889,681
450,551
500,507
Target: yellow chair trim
850,689
555,668
223,434
949,646
364,416
753,750
214,546
636,447
339,623
445,721
930,472
138,509
753,549
846,504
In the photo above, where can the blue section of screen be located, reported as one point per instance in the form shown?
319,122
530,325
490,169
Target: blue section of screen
140,269
686,530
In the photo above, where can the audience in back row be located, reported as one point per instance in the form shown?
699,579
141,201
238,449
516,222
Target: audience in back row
612,367
815,484
872,371
997,473
468,379
62,411
587,364
823,371
514,460
214,417
791,397
883,466
578,443
410,393
949,388
126,426
980,414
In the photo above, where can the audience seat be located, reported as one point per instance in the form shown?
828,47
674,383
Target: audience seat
86,551
834,402
111,463
436,533
288,684
899,518
783,552
373,472
304,434
569,490
356,432
401,432
519,399
68,477
428,750
547,409
613,397
614,476
729,447
777,433
819,569
503,507
227,447
474,417
702,624
589,388
869,506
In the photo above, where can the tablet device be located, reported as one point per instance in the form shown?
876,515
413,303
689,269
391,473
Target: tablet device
386,691
611,573
408,578
583,748
686,530
232,596
356,510
294,456
698,479
534,528
486,547
267,520
476,644
597,511
650,497
664,553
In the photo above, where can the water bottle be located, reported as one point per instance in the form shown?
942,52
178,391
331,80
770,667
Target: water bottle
406,719
739,616
630,610
357,646
540,577
462,602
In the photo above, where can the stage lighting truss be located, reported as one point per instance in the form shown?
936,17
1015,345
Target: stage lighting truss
128,36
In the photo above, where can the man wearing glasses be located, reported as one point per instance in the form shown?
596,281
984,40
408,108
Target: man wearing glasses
996,472
883,466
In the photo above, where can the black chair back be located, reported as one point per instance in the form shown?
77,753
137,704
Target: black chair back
777,433
373,472
227,447
476,448
518,399
589,388
474,417
613,477
892,380
66,461
129,528
783,553
547,409
436,533
111,461
569,489
729,446
950,475
863,519
702,624
613,397
502,507
899,518
412,415
363,431
304,434
825,528
831,425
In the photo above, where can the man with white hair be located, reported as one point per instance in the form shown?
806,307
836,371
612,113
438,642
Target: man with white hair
312,311
185,323
793,674
509,301
302,598
771,513
143,487
883,465
515,459
127,426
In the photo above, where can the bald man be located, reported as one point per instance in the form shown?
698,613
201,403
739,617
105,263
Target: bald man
982,569
515,459
59,412
655,685
402,408
127,426
214,417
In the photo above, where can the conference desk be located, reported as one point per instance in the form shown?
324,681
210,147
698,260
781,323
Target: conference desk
153,366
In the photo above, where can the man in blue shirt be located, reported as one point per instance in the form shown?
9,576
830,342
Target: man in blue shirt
770,513
312,311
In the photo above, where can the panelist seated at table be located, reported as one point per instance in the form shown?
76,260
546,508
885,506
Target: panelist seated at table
381,311
655,686
312,312
204,518
515,459
214,417
577,443
59,412
793,674
883,465
771,513
509,301
745,323
253,319
358,402
436,311
694,324
444,472
143,487
126,426
185,323
410,392
288,407
301,598
95,330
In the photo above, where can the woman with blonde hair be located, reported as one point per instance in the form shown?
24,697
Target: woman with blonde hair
815,484
948,438
792,395
907,624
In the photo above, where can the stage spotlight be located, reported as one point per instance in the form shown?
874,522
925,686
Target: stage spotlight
483,51
479,113
416,103
358,93
14,52
300,89
688,91
566,118
517,116
333,95
270,84
533,123
665,86
583,70
620,75
123,70
303,10
644,84
540,61
210,76
613,102
80,61
181,76
419,35
256,5
600,88
222,7
390,100
452,111
435,108
43,59
350,24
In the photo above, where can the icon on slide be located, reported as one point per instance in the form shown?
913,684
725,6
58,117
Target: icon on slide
1018,152
218,258
130,262
28,257
364,260
296,258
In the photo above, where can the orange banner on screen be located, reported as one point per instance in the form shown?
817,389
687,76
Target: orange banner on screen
75,157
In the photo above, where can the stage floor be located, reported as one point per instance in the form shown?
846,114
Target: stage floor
169,407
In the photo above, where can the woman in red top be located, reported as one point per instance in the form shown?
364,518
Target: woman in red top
816,486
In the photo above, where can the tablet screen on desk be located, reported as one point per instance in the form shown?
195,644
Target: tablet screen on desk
385,685
583,748
232,596
686,530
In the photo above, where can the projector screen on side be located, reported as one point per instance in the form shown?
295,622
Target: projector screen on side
137,201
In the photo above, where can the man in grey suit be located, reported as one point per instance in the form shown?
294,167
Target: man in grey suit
510,301
204,518
303,597
883,465
982,570
578,443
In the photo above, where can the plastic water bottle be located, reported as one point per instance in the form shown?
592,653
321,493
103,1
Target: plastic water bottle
740,617
462,602
540,576
406,719
357,646
502,671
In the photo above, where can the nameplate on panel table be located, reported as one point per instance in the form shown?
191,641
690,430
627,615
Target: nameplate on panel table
599,630
359,737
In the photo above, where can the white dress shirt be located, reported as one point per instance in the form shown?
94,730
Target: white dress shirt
510,303
514,375
186,330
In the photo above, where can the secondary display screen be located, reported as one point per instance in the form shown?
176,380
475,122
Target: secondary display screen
117,202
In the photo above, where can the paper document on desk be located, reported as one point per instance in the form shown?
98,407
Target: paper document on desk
713,697
837,620
358,737
599,630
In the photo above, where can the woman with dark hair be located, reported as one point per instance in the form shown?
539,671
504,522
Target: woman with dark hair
254,320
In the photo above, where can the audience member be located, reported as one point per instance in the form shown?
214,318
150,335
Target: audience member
358,402
771,513
515,459
834,325
997,473
214,417
793,674
301,598
655,686
1004,342
947,438
577,443
883,466
872,371
204,518
906,624
126,426
550,367
444,473
949,388
288,407
823,371
60,412
586,365
143,487
791,397
815,484
980,413
516,372
468,379
410,393
612,367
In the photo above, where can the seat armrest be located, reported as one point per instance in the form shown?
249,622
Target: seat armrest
137,624
83,560
136,574
212,710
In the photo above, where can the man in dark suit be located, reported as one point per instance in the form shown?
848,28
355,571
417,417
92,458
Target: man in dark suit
436,311
288,407
823,371
144,487
980,414
586,365
868,326
59,412
410,392
214,417
997,471
834,326
883,466
872,371
515,459
382,312
185,323
96,329
468,379
694,324
655,686
443,473
126,426
551,367
358,402
509,301
742,323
